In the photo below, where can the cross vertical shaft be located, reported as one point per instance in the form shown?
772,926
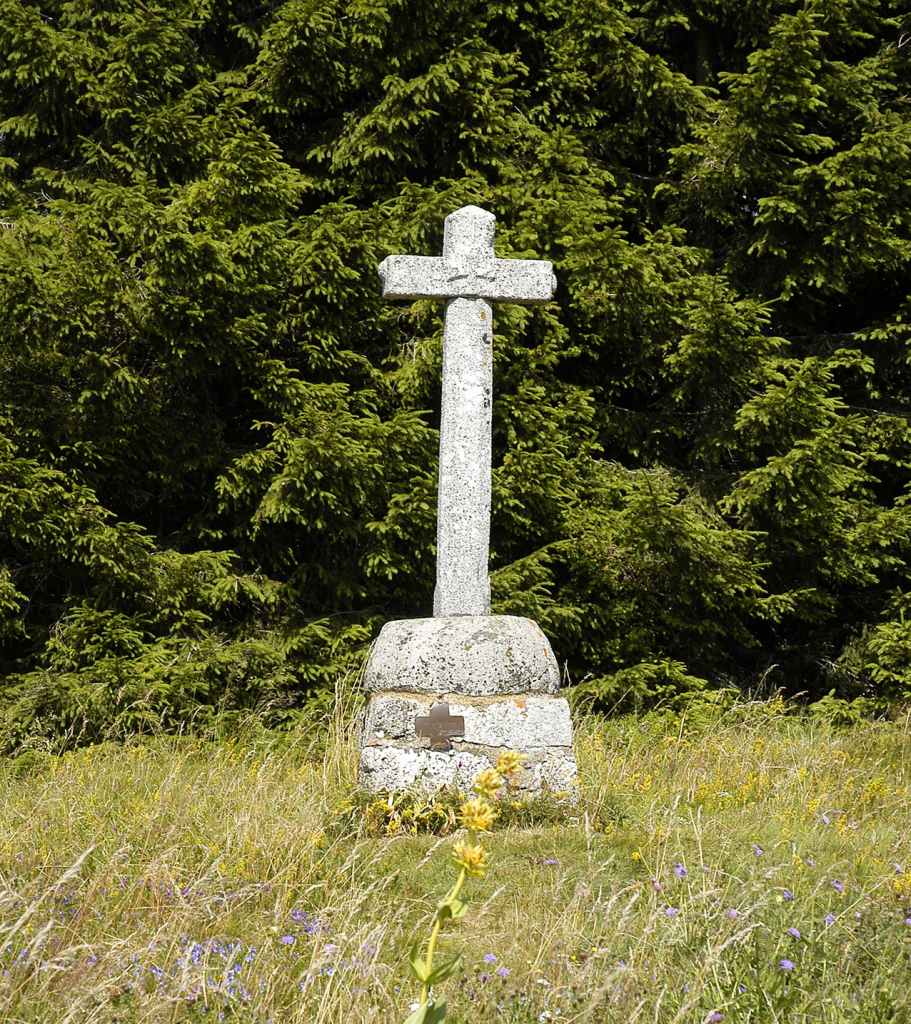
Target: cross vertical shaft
463,583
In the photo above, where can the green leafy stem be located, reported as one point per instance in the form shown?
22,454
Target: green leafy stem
423,969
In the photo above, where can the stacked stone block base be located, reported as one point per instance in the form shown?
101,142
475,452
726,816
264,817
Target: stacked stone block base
498,673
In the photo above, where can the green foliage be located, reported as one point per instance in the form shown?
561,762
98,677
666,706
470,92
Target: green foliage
843,713
218,451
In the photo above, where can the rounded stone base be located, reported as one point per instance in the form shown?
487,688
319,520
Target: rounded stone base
470,654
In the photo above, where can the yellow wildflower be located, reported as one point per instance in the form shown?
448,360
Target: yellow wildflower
487,783
509,762
470,856
477,814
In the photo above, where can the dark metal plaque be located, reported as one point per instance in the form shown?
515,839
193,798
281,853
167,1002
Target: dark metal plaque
440,726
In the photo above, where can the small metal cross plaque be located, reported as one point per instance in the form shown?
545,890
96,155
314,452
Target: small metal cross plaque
439,726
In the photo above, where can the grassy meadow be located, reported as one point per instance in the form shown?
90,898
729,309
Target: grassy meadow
755,868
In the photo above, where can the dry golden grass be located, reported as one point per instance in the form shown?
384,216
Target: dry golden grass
181,881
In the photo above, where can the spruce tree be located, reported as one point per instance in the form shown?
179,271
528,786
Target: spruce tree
217,473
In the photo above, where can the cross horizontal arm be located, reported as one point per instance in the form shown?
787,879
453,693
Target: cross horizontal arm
530,282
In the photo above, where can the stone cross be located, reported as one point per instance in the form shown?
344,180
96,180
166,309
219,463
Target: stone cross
469,276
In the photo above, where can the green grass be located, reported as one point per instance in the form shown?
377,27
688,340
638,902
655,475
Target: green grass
179,881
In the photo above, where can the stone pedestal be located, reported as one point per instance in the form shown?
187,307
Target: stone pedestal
499,679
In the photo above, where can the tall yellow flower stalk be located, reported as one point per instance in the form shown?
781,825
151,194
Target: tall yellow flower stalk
477,815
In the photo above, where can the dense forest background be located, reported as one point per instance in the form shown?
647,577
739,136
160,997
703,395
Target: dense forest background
218,443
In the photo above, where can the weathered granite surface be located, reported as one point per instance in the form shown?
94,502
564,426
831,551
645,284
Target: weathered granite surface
463,504
468,267
395,768
523,722
497,674
471,654
470,276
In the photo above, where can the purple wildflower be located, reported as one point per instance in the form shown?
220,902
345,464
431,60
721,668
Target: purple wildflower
671,911
286,940
829,919
756,849
898,868
715,1017
489,958
731,912
656,885
552,863
679,869
787,965
811,863
503,972
838,887
794,932
787,895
